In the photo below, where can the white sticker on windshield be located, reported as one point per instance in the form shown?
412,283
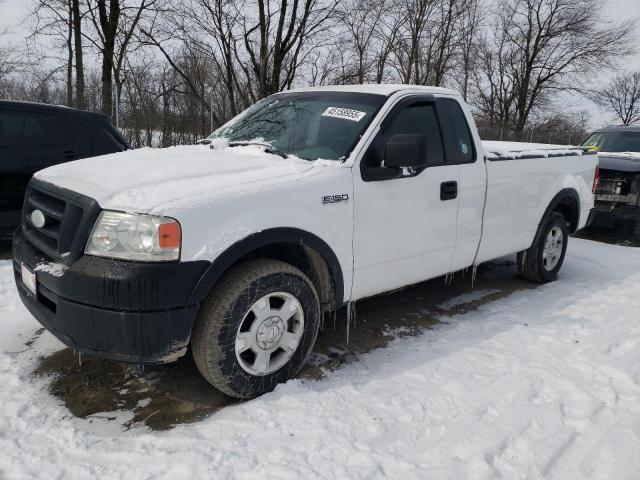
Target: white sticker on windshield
346,113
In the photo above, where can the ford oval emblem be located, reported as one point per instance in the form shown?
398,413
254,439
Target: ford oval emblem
38,219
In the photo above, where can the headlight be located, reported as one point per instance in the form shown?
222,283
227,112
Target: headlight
145,238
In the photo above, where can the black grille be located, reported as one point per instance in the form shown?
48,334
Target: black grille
68,217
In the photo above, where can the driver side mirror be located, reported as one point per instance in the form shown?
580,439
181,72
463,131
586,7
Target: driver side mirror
406,150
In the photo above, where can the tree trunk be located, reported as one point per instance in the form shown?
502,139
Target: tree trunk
109,26
69,57
77,33
107,77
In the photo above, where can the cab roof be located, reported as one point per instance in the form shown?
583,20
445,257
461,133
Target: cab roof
44,107
379,89
620,128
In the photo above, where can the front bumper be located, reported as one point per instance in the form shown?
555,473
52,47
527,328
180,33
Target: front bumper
126,311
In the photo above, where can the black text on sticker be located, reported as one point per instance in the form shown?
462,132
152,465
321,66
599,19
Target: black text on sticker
345,113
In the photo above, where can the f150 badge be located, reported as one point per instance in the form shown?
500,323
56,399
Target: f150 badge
327,199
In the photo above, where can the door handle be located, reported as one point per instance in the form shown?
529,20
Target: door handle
448,190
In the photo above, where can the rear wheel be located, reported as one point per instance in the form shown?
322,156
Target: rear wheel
257,328
543,260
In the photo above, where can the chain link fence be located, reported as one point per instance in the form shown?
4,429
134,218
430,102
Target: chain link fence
557,136
177,118
162,124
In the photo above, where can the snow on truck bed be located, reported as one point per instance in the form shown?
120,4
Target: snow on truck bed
543,383
513,150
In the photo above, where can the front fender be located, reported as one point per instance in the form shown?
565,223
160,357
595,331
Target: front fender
261,239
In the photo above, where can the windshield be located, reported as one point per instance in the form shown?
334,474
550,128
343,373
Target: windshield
614,141
310,125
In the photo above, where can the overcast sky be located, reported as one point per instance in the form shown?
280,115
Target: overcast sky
14,12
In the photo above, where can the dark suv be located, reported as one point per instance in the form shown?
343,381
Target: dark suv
617,203
35,136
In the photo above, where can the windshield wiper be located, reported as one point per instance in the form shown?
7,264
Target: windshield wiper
267,147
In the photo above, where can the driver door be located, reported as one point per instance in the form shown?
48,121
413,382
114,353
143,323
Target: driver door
405,226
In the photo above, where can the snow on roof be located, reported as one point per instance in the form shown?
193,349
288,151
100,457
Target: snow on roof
380,89
512,150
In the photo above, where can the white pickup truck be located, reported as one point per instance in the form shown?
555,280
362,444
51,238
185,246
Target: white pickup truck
308,200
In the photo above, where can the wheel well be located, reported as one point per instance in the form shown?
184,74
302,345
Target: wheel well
297,247
569,208
307,260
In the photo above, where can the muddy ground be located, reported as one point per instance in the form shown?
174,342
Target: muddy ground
162,397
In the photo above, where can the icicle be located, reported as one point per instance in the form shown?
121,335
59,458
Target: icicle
80,359
351,315
474,274
348,320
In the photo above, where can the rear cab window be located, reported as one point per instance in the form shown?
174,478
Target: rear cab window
456,134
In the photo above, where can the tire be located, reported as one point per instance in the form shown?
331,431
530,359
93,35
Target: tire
244,342
542,266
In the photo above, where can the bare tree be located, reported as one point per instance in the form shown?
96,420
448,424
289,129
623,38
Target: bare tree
278,39
622,96
469,45
362,20
76,24
115,25
54,21
430,38
9,60
551,45
494,87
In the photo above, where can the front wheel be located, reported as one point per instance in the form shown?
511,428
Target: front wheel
543,260
257,328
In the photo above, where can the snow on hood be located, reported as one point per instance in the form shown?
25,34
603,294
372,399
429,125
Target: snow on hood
138,180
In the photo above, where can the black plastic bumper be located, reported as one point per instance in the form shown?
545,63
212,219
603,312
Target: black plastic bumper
590,218
127,311
616,219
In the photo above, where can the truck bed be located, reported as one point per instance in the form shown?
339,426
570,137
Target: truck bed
495,150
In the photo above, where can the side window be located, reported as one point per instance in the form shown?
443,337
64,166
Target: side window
18,128
67,134
11,125
458,143
420,119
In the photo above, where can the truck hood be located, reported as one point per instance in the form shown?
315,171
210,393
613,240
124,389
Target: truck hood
139,180
622,161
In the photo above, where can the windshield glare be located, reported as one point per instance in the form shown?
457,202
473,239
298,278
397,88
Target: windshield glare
614,141
309,125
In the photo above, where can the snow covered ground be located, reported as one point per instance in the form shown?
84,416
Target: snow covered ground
544,383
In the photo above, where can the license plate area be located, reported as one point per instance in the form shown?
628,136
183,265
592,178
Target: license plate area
29,279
